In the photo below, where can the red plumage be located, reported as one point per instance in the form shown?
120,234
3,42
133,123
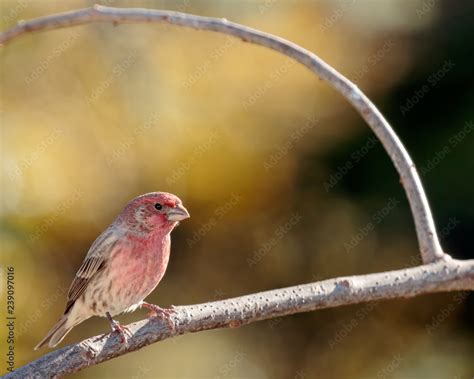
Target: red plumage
124,264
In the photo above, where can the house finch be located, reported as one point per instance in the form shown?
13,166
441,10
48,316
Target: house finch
123,265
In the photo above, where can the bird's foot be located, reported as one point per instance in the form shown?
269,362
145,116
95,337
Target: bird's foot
156,311
122,331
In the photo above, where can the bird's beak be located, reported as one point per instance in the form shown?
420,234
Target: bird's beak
178,213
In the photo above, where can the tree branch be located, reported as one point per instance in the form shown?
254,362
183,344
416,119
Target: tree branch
443,275
439,272
430,247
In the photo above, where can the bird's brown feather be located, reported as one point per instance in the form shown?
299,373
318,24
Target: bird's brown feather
93,263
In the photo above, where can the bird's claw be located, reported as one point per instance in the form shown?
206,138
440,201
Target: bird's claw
157,311
122,331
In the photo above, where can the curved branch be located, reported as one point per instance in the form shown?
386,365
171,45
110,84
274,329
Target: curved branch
439,273
444,275
430,247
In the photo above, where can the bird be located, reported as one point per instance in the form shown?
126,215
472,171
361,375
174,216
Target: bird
123,266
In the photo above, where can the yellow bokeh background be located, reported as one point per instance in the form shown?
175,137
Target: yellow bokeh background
95,115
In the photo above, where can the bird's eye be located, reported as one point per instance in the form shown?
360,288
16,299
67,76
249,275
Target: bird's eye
158,206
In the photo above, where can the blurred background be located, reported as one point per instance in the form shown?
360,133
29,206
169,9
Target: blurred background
284,181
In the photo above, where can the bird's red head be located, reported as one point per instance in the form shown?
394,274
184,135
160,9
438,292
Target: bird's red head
155,210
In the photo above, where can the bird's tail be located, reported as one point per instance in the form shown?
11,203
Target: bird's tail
57,333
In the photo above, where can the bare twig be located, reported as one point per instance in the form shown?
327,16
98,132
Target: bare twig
444,275
439,272
430,247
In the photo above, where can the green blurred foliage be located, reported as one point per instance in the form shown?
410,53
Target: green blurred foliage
283,180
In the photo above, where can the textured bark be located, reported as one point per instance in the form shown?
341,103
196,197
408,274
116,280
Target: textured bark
439,273
441,276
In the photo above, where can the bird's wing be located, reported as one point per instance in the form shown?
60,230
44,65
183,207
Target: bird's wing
94,262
